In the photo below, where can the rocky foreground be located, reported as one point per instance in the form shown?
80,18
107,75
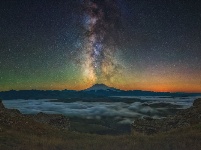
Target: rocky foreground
181,119
51,132
12,118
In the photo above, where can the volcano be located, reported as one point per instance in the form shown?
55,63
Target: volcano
102,87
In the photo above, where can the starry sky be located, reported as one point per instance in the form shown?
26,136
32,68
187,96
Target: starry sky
127,44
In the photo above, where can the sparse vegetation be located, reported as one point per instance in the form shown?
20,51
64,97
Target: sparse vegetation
184,139
18,132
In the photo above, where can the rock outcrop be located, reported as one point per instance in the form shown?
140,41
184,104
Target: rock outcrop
1,105
11,112
12,118
183,118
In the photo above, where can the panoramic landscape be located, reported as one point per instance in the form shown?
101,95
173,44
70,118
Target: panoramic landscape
100,74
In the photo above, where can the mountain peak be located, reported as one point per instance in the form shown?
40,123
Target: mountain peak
97,87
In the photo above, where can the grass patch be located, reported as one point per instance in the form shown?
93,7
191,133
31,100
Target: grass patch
184,139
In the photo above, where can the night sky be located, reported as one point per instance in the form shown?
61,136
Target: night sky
127,44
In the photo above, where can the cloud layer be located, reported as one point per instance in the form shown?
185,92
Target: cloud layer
119,111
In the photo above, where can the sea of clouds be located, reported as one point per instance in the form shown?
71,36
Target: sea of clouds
123,112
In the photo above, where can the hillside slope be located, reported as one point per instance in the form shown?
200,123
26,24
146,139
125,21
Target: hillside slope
19,132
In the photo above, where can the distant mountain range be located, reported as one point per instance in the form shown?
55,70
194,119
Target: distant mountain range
96,91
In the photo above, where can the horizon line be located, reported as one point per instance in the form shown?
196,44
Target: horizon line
187,92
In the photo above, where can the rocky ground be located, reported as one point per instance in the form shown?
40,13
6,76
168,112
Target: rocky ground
12,118
51,132
55,120
183,118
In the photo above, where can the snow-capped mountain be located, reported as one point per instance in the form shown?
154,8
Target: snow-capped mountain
102,87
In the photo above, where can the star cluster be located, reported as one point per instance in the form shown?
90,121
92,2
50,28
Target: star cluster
72,44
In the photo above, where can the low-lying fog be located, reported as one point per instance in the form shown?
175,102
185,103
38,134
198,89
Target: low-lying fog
156,107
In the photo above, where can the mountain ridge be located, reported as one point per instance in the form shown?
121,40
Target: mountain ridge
96,90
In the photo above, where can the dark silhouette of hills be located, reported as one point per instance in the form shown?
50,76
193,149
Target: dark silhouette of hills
96,91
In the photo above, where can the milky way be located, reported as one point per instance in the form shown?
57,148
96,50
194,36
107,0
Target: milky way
126,44
101,22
